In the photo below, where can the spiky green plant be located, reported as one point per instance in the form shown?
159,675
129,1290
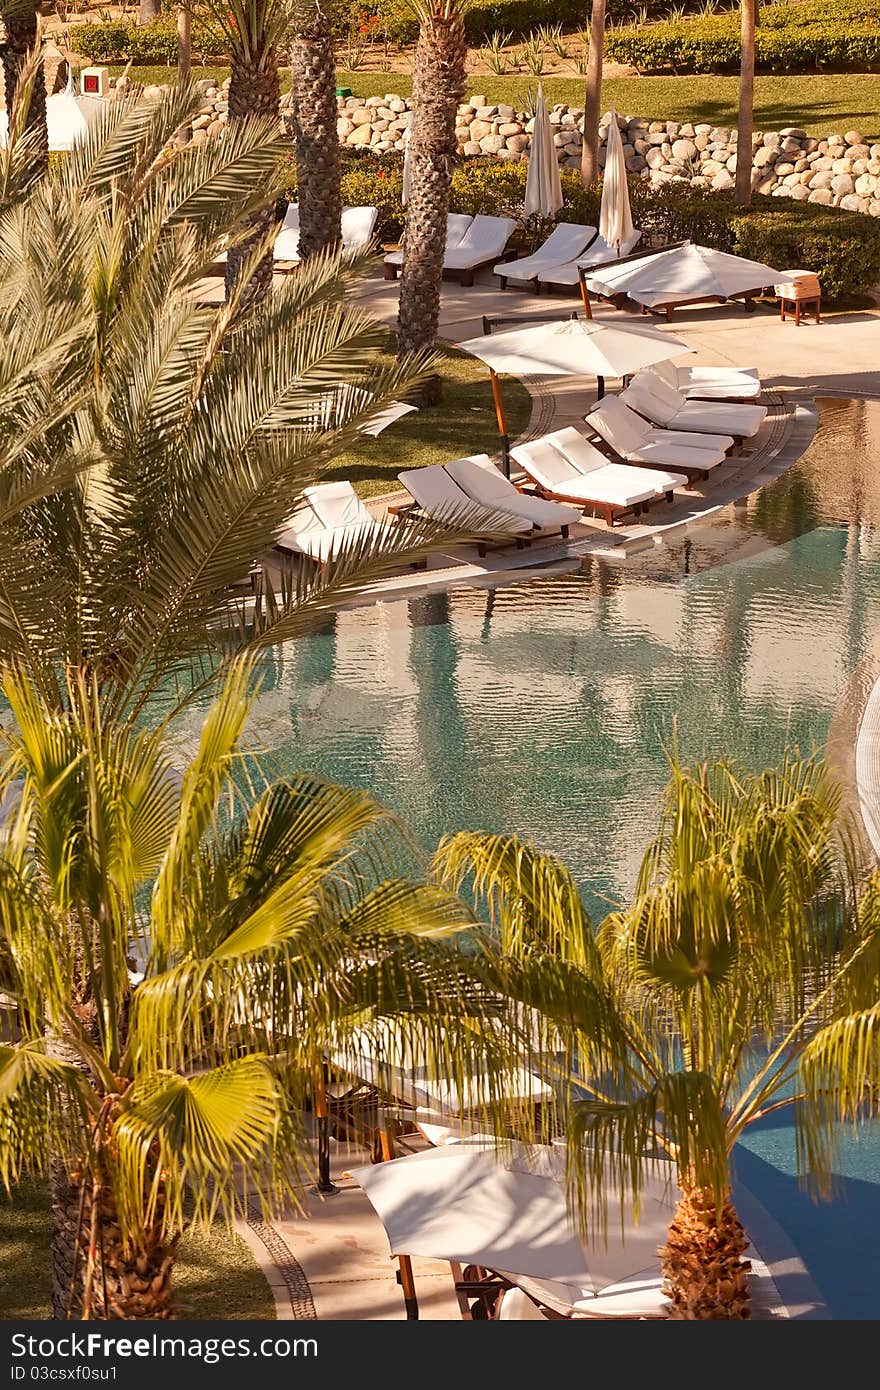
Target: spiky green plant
177,435
182,948
739,982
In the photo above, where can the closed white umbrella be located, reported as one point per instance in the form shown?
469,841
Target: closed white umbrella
686,272
507,1211
543,185
615,217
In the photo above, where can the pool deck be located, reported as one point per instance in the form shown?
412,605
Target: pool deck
330,1261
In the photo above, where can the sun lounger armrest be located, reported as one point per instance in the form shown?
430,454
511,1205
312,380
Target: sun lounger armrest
401,508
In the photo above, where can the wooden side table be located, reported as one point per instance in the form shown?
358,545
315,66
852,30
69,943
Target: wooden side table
802,295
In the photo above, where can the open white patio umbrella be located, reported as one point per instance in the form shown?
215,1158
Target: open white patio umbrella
543,186
573,347
507,1211
682,274
615,217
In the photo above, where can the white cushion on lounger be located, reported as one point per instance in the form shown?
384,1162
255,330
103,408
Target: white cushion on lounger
597,252
439,496
358,226
485,237
337,504
710,383
457,224
516,1306
286,247
668,407
579,451
633,1298
633,438
614,484
568,240
481,480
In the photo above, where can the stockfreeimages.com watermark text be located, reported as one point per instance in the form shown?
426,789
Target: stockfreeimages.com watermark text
30,1352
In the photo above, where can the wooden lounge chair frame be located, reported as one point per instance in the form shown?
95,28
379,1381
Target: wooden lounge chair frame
693,475
399,509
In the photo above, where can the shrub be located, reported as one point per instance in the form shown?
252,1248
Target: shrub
843,34
147,45
842,247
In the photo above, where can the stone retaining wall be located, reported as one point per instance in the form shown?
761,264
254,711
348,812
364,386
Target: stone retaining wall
836,170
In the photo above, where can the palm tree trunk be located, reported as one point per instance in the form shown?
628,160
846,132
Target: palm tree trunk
254,90
705,1276
745,124
148,10
22,37
184,42
438,84
593,96
313,74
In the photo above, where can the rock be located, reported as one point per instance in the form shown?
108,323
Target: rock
201,122
199,137
722,181
374,101
684,149
782,169
491,144
506,113
859,150
822,180
772,141
842,166
765,186
510,128
842,183
480,128
835,140
360,135
820,195
801,165
850,203
794,133
215,128
790,145
654,158
673,129
636,163
478,103
701,140
764,155
711,167
517,143
472,148
485,113
799,193
362,116
853,137
823,162
874,209
657,137
720,135
866,183
399,105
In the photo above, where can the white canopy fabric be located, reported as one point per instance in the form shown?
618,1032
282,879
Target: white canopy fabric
615,216
69,115
575,347
507,1211
543,195
683,272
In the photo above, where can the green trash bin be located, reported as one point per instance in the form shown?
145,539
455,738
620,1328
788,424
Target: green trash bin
343,91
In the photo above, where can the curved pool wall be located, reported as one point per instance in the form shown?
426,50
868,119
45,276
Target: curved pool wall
546,706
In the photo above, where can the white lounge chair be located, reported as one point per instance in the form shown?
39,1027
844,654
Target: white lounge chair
640,1297
597,253
635,440
664,405
566,242
710,383
457,224
611,489
481,480
331,514
358,226
516,1306
438,496
483,242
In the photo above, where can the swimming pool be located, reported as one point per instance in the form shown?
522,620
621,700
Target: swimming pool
544,707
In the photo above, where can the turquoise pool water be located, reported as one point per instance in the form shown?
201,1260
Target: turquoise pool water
545,706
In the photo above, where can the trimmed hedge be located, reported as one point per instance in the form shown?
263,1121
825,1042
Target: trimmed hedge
842,35
842,247
147,45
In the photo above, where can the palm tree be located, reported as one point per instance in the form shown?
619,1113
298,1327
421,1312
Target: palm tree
725,992
593,95
168,1040
184,436
313,76
21,22
438,85
254,30
745,122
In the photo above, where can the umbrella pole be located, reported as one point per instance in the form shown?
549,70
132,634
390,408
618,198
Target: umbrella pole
501,422
325,1184
600,387
405,1272
588,313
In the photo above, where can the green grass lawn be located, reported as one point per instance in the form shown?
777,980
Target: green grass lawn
463,423
819,103
217,1277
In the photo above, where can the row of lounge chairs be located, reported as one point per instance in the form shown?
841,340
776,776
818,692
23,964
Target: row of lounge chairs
661,438
471,243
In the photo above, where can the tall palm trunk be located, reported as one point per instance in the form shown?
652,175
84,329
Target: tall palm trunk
254,90
593,95
313,74
745,122
22,36
148,10
705,1276
438,84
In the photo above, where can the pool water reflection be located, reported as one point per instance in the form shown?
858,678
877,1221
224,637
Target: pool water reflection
545,707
